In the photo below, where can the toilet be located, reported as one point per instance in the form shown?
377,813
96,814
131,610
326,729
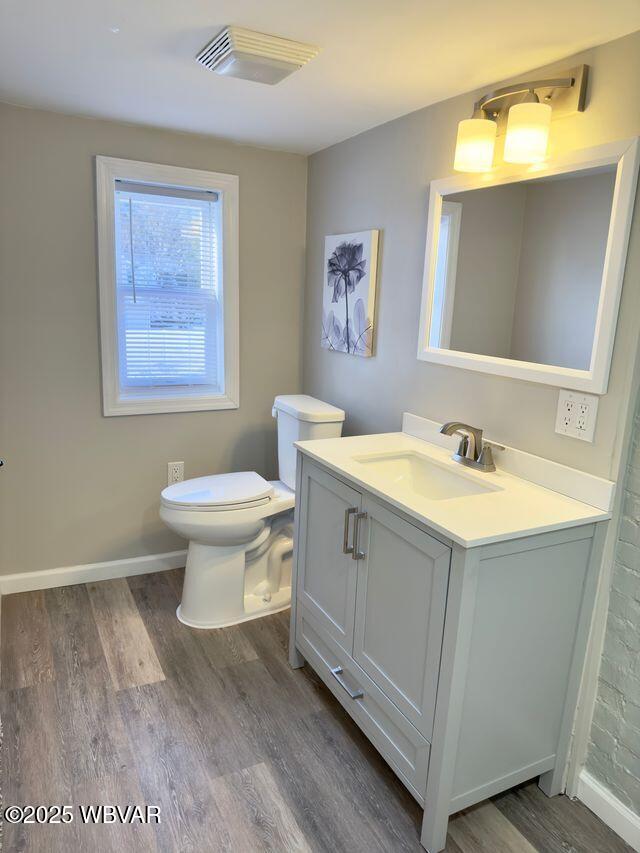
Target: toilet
240,526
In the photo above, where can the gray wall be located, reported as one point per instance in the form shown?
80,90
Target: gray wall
487,271
380,179
79,487
614,751
565,230
530,265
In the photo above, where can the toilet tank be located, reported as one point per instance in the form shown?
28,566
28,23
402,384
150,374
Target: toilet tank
301,418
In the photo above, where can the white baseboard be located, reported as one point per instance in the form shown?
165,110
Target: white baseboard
609,809
66,575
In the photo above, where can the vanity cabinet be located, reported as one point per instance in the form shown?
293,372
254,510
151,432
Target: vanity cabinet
327,576
348,544
401,591
461,665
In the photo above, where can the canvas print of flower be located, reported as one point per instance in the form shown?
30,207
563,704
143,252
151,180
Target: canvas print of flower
348,304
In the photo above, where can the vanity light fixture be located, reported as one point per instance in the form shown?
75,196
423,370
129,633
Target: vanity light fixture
525,109
475,144
527,131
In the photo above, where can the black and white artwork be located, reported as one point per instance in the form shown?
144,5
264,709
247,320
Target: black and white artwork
348,303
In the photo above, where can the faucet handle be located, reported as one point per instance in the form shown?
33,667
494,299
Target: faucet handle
463,447
485,459
494,445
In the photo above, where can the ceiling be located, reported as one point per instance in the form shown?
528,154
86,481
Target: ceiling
379,59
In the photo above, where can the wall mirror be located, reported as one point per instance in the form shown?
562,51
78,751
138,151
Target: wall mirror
524,269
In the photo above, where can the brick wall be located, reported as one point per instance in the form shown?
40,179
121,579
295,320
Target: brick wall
614,750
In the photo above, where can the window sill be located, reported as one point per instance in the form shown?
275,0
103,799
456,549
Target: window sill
132,405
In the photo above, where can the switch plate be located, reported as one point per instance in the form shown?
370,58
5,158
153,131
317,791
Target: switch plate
577,414
175,472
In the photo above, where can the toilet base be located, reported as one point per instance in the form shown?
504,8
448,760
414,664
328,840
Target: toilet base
254,608
228,585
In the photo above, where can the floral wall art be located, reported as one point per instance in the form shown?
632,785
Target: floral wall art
349,281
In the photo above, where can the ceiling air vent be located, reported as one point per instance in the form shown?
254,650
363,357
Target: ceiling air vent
236,52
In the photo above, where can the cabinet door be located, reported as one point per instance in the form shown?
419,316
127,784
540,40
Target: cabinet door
326,574
401,599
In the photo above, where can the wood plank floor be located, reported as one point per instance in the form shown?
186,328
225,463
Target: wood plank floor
107,699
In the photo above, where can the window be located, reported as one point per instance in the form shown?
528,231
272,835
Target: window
445,275
168,288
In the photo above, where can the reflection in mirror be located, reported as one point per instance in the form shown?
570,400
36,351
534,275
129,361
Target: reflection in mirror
519,268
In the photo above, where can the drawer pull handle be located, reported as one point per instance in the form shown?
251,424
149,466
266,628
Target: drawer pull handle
356,553
336,672
346,548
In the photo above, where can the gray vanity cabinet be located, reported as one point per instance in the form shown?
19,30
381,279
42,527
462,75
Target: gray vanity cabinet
461,665
327,577
400,605
370,615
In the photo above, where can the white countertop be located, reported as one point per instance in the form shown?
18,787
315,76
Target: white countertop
515,508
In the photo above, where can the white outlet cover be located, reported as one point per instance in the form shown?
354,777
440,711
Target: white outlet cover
577,413
175,472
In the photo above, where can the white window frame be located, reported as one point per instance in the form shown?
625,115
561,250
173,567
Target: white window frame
441,337
115,402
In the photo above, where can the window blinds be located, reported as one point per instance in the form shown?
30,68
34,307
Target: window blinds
168,268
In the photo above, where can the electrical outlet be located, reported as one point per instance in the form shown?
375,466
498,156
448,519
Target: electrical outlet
577,415
175,472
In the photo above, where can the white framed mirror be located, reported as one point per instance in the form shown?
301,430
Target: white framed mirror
524,268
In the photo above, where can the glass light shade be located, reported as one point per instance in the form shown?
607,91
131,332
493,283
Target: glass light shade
474,145
527,133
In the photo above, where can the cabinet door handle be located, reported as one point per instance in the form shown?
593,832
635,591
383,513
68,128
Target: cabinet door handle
346,548
336,672
356,553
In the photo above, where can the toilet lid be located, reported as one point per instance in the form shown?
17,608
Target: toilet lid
219,490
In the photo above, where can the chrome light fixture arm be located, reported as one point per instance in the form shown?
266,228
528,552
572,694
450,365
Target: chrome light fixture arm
489,105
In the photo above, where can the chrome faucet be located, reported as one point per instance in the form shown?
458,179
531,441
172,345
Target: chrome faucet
472,450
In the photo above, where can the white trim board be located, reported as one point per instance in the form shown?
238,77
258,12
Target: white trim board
67,575
621,819
571,482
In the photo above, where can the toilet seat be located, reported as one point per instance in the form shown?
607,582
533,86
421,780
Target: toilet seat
219,492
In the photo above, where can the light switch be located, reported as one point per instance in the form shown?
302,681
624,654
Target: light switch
577,414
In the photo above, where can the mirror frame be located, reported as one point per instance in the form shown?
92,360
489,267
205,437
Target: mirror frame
624,154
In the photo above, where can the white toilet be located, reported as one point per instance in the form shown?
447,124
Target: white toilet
240,526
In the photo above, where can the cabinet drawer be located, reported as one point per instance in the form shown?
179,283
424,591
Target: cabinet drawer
397,740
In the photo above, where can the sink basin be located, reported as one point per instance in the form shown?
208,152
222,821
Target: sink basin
423,476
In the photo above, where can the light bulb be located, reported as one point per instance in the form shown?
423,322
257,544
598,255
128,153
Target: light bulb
527,133
474,145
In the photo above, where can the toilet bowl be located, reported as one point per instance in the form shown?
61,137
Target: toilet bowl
240,526
222,586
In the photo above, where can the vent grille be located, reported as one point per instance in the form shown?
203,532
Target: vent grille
260,48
